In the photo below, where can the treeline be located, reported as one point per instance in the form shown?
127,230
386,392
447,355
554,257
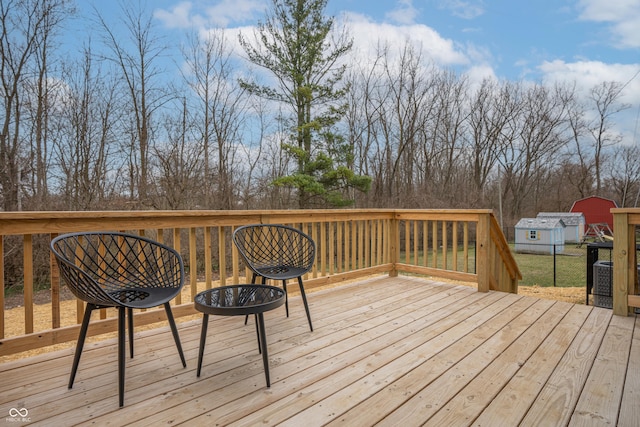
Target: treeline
120,126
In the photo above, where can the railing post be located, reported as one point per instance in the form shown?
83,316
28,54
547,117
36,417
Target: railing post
624,262
483,261
394,245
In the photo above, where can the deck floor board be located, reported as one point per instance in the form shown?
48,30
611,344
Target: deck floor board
384,351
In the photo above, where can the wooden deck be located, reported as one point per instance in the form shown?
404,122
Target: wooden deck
388,351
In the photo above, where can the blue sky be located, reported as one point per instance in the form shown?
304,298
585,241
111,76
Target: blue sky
581,41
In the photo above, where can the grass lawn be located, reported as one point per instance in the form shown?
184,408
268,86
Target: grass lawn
538,269
460,259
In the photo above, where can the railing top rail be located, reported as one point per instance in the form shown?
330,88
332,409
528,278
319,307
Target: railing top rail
66,221
633,214
624,210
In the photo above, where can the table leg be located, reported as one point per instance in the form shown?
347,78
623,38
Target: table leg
203,338
263,344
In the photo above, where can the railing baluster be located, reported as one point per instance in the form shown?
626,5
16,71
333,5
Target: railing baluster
434,244
425,243
54,277
193,263
222,255
177,247
208,265
28,283
341,246
332,247
445,246
235,267
465,248
416,241
454,246
407,242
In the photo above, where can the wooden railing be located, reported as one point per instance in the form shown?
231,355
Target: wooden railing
463,245
625,265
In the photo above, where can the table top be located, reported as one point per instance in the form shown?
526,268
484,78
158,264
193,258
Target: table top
238,300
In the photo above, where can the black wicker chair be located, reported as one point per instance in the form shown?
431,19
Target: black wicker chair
277,252
109,269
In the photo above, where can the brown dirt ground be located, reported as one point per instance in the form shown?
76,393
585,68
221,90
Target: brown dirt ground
573,295
14,312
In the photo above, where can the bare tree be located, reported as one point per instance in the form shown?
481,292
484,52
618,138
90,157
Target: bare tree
494,107
401,125
580,161
251,185
532,156
85,148
43,95
26,29
362,117
625,175
138,58
221,109
605,98
179,165
450,124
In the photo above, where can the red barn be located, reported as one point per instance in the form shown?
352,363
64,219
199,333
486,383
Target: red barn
596,210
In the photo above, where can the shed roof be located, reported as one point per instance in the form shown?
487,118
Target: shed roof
540,223
569,218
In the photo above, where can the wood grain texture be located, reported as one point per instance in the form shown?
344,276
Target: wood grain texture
388,351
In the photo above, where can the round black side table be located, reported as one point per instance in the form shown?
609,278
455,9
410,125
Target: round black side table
239,300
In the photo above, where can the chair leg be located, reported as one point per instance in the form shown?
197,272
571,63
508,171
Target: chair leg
304,300
174,331
130,315
83,334
286,296
253,281
258,333
121,354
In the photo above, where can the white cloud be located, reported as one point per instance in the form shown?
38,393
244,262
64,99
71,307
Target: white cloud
480,67
222,14
235,11
368,35
404,14
477,73
607,10
588,74
622,15
466,9
177,17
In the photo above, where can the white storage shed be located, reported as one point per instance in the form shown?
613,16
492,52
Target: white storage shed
540,235
574,224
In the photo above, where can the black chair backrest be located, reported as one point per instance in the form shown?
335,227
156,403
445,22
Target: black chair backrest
99,266
266,246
